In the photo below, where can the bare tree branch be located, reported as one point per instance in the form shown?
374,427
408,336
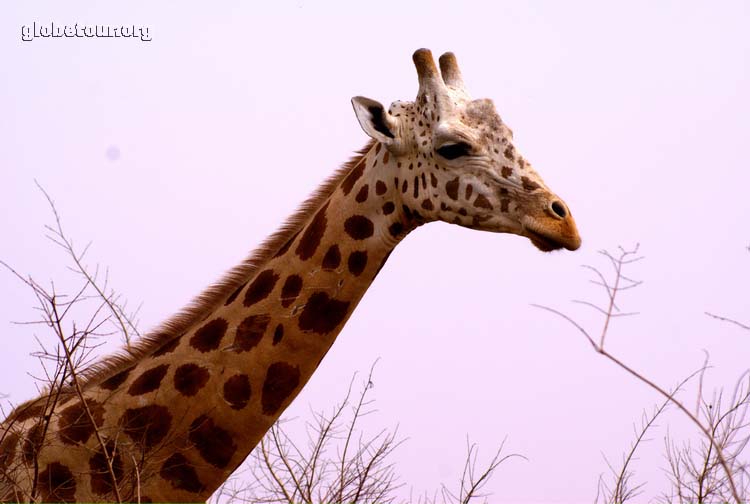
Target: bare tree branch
627,257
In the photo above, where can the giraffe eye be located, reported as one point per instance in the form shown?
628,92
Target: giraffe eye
453,151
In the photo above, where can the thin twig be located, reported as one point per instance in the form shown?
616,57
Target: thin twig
731,321
626,257
84,403
61,239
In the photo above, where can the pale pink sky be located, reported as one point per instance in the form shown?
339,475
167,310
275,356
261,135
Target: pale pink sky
636,114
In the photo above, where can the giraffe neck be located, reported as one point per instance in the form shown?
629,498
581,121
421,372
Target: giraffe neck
193,409
268,338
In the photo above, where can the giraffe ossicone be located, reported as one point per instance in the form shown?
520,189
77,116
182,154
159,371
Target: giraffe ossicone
173,417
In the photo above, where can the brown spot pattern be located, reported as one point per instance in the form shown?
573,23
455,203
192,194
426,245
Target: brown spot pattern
416,187
8,447
469,190
101,480
508,152
396,229
529,184
322,314
357,262
290,290
56,483
147,424
149,380
215,444
75,425
237,391
482,202
180,473
234,294
209,336
380,188
116,380
433,180
359,227
427,204
332,259
386,156
281,380
388,208
504,204
32,442
506,171
278,333
451,188
362,194
310,239
190,378
166,348
286,246
250,332
348,184
32,410
261,286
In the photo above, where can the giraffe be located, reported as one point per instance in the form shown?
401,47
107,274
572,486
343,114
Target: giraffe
171,418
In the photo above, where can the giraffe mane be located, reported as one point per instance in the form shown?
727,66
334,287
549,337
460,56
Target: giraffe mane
206,302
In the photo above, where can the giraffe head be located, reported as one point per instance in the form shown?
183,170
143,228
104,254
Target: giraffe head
457,163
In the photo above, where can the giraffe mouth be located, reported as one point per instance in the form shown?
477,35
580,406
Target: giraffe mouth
546,239
543,242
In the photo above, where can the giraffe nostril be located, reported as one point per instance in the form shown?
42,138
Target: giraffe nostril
559,209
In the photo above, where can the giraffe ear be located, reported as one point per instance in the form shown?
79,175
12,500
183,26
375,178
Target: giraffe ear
375,120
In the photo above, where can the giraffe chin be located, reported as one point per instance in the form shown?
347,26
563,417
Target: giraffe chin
542,242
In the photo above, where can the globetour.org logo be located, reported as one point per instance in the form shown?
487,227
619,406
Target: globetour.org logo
79,30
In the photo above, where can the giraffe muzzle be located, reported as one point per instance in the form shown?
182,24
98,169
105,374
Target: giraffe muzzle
553,233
